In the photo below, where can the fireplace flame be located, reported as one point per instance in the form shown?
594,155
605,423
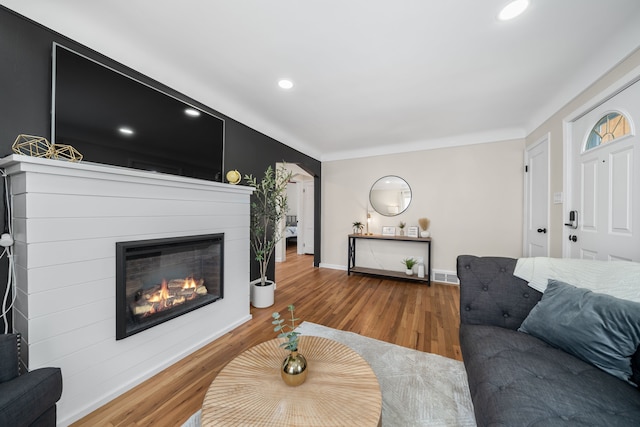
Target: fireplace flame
189,283
161,295
169,294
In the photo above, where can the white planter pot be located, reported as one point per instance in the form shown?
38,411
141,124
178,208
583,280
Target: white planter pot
409,271
425,234
262,296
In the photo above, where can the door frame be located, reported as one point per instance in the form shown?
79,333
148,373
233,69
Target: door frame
308,220
567,137
525,235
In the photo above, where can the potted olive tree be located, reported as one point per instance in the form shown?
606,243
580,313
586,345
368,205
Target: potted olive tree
268,208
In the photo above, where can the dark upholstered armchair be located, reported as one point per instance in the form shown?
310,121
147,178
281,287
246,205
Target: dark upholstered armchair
28,399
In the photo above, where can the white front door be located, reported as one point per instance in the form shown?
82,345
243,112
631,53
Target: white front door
605,184
536,233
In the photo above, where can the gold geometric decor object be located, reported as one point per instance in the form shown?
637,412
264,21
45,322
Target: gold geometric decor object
37,146
34,146
67,152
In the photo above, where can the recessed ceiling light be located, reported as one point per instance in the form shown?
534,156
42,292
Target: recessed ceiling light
285,84
126,130
192,112
513,9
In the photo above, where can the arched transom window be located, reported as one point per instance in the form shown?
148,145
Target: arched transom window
612,126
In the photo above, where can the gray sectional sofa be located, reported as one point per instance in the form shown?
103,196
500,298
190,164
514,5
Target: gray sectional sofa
516,379
27,399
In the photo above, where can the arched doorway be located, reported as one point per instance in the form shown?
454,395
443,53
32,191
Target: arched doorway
299,222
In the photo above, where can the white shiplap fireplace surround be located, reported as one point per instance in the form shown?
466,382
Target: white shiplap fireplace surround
67,218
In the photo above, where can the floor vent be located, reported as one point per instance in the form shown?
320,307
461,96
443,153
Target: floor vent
445,277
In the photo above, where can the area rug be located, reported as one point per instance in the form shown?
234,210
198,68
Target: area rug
418,388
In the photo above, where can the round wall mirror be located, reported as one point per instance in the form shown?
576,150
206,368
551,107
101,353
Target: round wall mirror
390,195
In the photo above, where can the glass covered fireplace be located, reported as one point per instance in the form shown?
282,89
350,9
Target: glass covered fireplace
158,280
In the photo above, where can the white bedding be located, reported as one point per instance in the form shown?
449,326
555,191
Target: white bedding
620,279
290,231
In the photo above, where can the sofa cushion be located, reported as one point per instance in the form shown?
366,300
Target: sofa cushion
490,294
516,379
597,328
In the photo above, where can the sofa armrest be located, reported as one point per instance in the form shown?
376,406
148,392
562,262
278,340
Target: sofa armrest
9,353
490,294
25,398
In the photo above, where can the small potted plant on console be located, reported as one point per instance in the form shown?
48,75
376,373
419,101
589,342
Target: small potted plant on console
409,263
357,227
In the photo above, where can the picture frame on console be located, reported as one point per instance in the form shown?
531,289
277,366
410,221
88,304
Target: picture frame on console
388,231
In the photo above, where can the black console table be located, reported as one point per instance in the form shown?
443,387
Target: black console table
352,268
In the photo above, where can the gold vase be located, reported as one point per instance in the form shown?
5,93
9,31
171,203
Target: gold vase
294,369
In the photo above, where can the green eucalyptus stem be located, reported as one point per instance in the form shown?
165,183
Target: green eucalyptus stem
287,330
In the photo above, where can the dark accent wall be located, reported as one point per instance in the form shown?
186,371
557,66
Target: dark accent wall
25,100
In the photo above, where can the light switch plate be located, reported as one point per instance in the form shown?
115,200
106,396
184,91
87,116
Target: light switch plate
557,197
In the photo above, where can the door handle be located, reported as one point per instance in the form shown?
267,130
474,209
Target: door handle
573,237
573,220
542,230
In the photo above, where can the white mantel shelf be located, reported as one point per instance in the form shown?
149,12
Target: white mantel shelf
67,218
18,163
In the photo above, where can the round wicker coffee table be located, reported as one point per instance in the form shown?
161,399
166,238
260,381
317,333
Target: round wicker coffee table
341,389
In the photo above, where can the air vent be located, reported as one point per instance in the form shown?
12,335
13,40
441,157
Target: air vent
445,277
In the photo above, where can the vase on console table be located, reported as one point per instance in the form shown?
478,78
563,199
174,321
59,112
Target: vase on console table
423,223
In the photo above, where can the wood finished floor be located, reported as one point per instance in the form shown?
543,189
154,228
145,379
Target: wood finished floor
403,313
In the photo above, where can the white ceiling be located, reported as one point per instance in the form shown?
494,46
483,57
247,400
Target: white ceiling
371,76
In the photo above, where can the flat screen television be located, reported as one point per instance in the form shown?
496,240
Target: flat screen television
112,118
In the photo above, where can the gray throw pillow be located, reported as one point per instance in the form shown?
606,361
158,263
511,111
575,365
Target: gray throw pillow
597,328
